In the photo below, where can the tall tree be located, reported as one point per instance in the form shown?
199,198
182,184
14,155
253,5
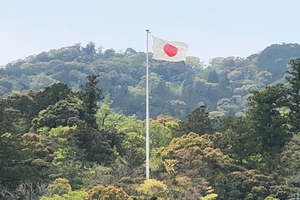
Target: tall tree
293,91
90,95
268,124
238,142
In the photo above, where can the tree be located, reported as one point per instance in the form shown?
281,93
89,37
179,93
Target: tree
134,141
68,159
293,92
240,144
160,135
59,186
108,193
248,184
8,117
9,160
268,125
190,162
25,103
96,148
107,121
90,95
41,80
36,158
198,122
153,188
290,162
51,95
11,119
60,189
61,113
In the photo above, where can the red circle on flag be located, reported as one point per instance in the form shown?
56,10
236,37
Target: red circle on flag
170,50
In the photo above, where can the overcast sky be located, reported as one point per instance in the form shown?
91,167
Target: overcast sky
210,28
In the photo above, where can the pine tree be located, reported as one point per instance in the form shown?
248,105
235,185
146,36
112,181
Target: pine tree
293,91
90,95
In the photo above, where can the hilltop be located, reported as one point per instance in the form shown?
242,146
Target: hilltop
222,85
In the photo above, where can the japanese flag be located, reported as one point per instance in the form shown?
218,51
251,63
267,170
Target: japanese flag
169,50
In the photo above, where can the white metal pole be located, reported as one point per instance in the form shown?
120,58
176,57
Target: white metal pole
147,113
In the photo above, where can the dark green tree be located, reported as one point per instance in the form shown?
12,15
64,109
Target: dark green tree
25,103
293,91
267,122
90,94
10,170
60,114
198,122
4,120
36,158
10,119
97,149
238,142
248,184
51,95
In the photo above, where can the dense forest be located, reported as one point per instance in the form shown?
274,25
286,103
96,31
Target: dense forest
72,126
222,85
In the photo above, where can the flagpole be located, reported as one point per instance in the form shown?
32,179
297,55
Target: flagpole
147,113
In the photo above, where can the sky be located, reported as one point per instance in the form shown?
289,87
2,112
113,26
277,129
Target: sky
211,28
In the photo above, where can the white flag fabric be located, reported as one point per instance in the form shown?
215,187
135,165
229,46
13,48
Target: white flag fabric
169,50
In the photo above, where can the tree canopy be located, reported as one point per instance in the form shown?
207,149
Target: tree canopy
217,132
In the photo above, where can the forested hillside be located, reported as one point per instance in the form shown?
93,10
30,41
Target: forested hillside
176,88
72,127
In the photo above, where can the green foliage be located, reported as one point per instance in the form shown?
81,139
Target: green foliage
134,141
271,59
10,119
92,142
25,103
161,135
60,186
153,188
9,157
221,77
270,198
290,161
293,90
250,184
60,114
60,189
198,122
51,95
210,195
67,158
108,193
188,160
71,195
64,132
89,95
67,163
107,121
239,143
267,124
41,80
